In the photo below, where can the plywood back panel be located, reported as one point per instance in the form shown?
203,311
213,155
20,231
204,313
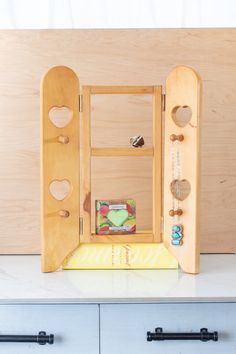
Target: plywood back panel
113,57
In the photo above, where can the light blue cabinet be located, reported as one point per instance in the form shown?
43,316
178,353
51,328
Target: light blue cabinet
75,327
124,327
118,328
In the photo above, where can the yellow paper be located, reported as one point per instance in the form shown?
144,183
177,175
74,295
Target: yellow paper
121,256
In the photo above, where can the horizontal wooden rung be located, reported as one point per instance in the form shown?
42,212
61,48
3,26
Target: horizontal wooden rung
121,89
122,151
130,238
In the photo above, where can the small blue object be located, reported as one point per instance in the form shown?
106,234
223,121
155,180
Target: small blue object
176,235
177,242
176,228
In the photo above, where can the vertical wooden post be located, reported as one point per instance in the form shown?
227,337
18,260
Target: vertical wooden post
86,171
157,165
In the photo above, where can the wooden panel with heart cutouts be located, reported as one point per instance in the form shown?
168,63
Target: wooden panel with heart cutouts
181,171
60,168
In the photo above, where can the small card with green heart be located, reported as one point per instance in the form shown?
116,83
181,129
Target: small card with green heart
115,217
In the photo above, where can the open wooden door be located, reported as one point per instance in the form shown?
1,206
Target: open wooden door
60,165
181,173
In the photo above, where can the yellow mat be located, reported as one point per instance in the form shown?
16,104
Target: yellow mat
120,256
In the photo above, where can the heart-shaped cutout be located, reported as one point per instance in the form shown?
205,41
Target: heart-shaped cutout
59,189
180,189
181,115
60,116
118,217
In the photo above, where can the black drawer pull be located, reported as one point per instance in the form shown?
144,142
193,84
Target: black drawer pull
42,338
203,335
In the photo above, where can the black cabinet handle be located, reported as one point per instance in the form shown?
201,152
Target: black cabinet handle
203,335
42,338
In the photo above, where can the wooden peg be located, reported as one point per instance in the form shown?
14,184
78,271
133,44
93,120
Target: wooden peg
64,213
63,139
174,137
175,212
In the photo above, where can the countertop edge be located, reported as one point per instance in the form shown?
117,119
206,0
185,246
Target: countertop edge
101,301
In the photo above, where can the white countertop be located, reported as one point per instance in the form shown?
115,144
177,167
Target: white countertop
21,281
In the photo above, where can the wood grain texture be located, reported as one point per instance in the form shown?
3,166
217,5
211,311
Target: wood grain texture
116,57
183,89
121,152
59,162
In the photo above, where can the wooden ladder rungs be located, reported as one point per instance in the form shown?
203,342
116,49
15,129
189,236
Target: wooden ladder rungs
140,237
122,151
121,89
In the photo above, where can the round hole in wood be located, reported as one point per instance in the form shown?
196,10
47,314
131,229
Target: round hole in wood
180,189
60,189
60,116
181,115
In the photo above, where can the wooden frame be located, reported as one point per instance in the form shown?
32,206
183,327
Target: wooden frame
88,151
62,231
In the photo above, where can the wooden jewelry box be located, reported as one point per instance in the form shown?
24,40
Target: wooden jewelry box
67,151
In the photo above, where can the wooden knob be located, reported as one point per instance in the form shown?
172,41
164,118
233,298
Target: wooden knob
63,139
174,137
64,213
175,212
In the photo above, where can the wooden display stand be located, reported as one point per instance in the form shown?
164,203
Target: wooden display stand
63,227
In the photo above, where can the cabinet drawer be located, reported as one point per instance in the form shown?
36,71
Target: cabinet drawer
75,328
124,328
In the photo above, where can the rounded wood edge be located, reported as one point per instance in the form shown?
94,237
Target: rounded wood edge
184,68
49,266
193,268
55,69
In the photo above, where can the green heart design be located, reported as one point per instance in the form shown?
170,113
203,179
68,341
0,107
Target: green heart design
117,217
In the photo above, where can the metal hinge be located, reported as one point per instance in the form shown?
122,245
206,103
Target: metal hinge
81,226
163,102
162,225
80,103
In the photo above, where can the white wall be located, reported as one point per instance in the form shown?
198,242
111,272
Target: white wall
116,13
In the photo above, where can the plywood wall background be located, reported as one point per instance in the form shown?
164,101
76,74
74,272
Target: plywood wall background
141,57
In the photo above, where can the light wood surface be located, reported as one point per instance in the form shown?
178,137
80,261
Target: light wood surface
138,237
117,89
182,163
116,57
59,162
122,151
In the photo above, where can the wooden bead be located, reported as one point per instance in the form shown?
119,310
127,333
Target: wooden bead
174,137
175,212
64,213
179,212
63,139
